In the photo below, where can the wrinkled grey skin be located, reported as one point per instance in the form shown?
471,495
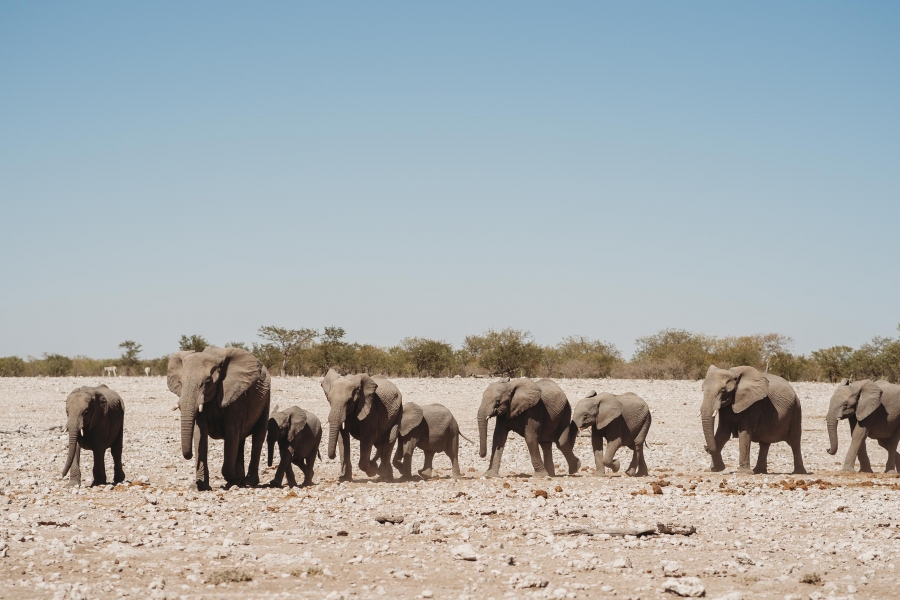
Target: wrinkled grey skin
621,420
873,410
94,421
753,407
223,393
369,409
433,429
538,411
298,434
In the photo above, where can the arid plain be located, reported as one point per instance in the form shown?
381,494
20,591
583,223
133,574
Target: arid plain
821,535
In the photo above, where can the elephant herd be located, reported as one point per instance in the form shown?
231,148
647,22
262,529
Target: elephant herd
225,393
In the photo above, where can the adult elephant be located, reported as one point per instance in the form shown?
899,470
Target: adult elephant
224,394
873,410
538,411
753,407
369,409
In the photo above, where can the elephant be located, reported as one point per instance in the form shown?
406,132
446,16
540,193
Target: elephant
623,420
369,409
432,428
753,407
95,418
298,434
873,410
538,411
223,393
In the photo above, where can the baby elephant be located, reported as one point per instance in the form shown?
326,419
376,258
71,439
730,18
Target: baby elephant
298,434
623,420
95,418
433,429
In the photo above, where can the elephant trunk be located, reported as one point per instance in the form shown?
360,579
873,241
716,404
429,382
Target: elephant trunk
708,420
335,421
188,416
484,413
73,425
831,424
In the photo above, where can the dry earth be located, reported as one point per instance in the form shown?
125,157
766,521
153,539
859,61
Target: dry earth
764,536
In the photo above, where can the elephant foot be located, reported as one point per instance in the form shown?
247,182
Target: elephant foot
119,477
274,484
715,468
576,467
73,483
398,464
758,470
614,466
866,470
380,478
489,474
370,470
426,473
642,473
801,471
200,486
460,475
852,469
404,478
96,483
598,473
744,471
893,470
631,472
250,482
541,475
347,478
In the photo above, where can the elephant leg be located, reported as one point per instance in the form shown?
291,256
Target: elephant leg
609,458
857,440
863,455
366,464
397,462
891,465
75,469
631,471
597,446
99,470
762,461
453,454
257,440
723,434
201,452
403,457
239,472
566,446
501,432
229,460
116,452
642,470
547,452
532,432
346,467
744,452
427,471
384,471
796,436
309,469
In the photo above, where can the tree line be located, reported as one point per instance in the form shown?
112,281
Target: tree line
667,354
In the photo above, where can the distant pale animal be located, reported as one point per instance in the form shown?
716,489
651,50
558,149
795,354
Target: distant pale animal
147,371
110,372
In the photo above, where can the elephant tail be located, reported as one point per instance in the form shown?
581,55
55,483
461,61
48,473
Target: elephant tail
465,438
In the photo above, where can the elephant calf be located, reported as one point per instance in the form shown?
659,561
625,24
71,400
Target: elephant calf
433,429
623,420
873,410
95,419
297,433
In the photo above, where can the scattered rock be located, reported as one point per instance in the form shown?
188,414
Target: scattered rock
687,587
623,562
521,581
463,552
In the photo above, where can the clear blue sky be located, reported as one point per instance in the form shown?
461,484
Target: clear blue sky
607,169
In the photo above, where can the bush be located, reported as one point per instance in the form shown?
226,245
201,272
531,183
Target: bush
12,366
508,352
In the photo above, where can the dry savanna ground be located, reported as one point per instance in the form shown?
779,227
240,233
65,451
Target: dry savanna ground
765,536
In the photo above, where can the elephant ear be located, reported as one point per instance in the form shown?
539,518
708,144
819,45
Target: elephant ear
591,394
844,381
553,397
297,420
412,416
751,388
367,387
608,410
869,398
176,366
330,376
524,395
242,370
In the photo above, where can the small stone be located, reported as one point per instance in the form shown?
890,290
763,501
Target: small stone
521,581
623,562
463,552
427,594
731,596
264,526
670,568
687,587
151,499
4,500
744,559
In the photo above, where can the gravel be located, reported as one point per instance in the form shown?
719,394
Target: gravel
823,535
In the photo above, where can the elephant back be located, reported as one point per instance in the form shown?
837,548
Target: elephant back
553,397
634,410
781,394
390,397
890,398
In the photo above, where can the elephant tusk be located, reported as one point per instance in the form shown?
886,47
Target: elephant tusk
715,412
200,408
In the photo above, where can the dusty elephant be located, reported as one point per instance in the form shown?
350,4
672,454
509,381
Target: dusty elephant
298,434
538,411
432,428
623,421
753,407
223,393
95,418
873,410
369,409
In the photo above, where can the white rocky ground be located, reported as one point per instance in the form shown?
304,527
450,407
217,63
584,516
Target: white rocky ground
771,536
